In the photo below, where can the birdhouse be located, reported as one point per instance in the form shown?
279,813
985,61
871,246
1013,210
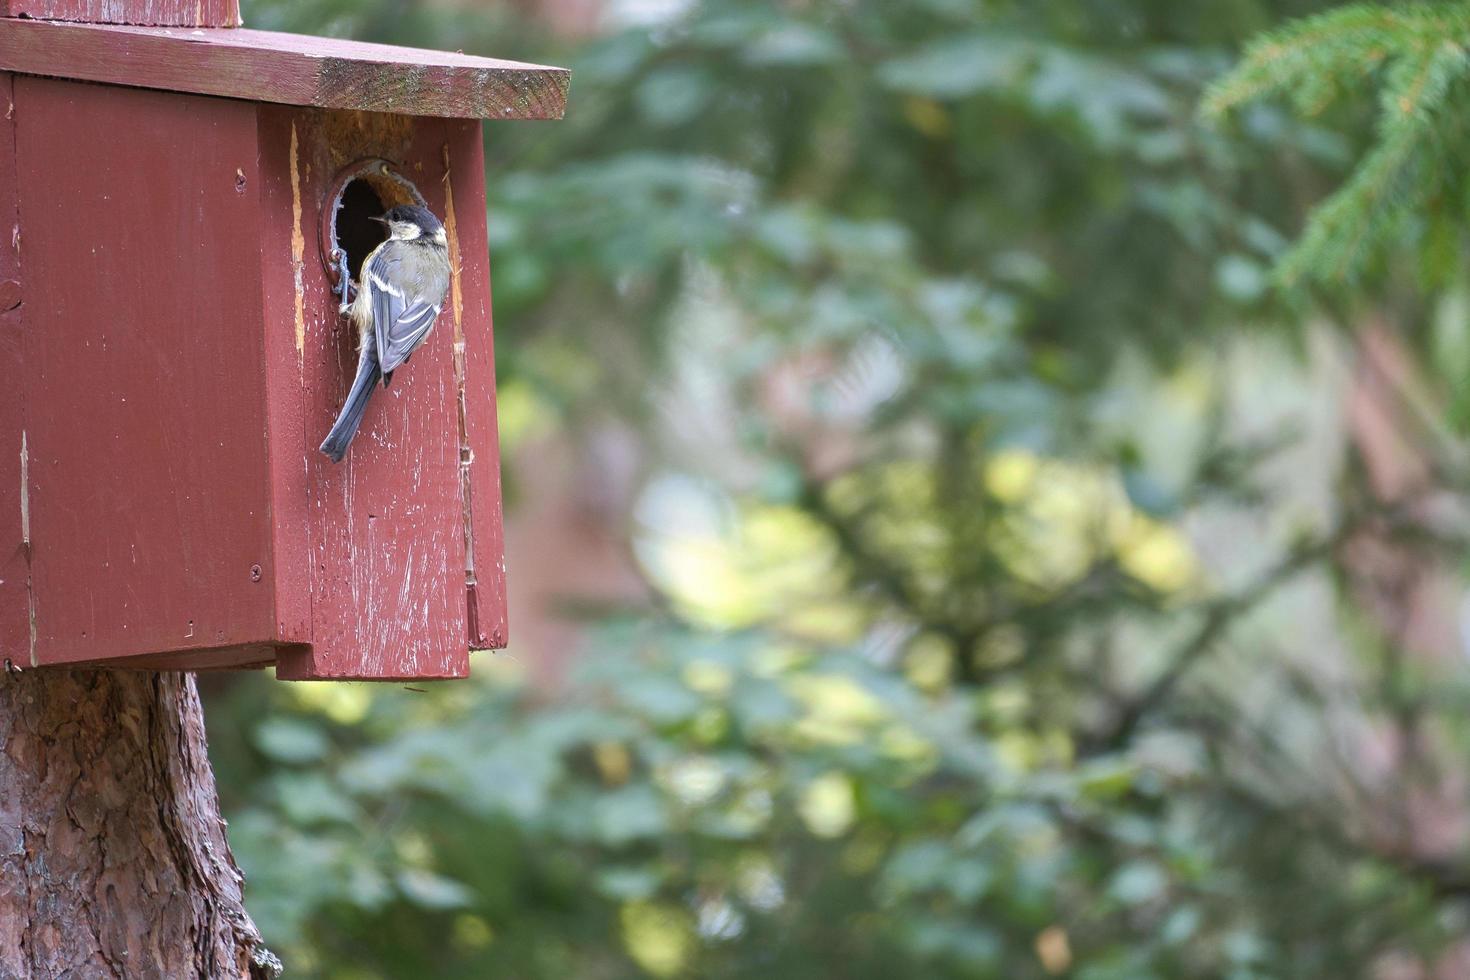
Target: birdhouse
179,199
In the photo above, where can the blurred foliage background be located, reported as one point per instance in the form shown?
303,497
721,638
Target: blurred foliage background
970,513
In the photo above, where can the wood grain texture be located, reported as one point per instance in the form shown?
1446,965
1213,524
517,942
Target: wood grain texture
385,528
485,572
151,524
173,13
286,68
113,857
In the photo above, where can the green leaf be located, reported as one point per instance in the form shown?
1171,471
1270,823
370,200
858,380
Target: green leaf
671,96
1240,278
628,883
626,815
291,740
433,891
794,44
311,798
1138,883
957,67
1107,780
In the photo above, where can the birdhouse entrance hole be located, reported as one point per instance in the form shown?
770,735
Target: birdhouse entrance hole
357,235
360,193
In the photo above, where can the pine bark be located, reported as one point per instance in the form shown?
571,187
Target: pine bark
113,858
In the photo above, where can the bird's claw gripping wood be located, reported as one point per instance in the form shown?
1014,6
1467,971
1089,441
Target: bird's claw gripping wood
343,287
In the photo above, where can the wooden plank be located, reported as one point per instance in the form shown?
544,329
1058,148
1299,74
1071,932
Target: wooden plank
15,632
385,527
150,522
172,13
284,208
470,295
287,68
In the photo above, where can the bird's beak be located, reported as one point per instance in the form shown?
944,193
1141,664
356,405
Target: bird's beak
381,221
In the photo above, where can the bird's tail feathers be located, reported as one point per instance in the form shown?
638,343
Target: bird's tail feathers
336,443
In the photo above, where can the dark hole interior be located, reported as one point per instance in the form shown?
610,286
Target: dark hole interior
357,233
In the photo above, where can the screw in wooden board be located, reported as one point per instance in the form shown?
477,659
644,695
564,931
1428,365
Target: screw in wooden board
255,573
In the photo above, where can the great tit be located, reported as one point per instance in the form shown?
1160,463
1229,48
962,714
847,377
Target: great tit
400,291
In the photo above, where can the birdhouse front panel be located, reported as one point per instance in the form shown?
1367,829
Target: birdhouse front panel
179,212
392,533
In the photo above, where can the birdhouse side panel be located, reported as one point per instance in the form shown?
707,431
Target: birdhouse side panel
475,344
385,527
15,642
286,263
144,379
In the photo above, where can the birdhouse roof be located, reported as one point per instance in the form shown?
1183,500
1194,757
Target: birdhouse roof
266,66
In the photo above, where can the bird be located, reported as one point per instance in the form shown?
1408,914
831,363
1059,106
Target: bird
400,292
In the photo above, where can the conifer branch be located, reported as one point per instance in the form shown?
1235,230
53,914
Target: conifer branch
1415,56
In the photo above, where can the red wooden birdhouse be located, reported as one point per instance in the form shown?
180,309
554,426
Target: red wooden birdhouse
173,354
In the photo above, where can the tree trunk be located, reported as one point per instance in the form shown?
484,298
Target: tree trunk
113,858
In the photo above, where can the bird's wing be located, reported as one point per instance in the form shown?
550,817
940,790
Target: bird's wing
403,313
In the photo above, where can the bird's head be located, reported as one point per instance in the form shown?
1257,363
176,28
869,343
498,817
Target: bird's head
409,222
